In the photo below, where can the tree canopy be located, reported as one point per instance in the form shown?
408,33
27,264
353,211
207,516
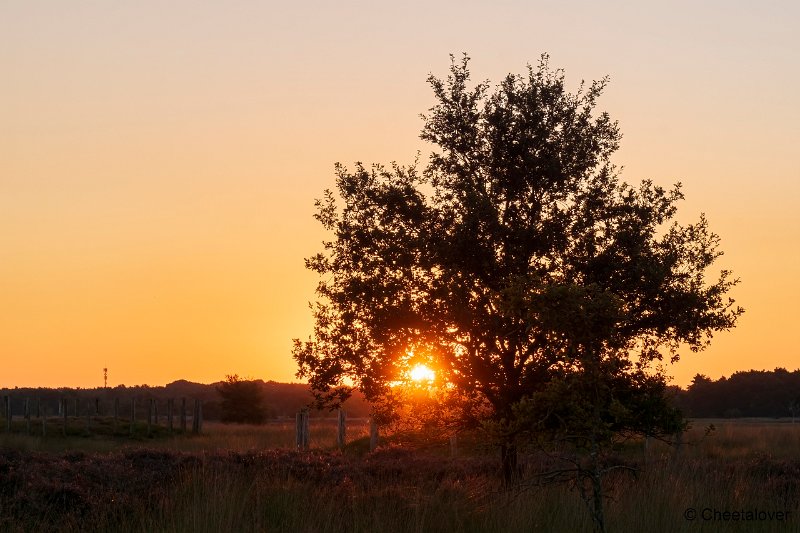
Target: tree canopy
516,263
242,400
752,393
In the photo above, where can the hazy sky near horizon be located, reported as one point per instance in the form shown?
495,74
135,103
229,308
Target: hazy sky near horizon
159,161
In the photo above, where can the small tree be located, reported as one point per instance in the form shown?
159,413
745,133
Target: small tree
242,401
517,265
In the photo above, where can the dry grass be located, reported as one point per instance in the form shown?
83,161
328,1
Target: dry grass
240,478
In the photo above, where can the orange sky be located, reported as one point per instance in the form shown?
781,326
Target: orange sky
159,160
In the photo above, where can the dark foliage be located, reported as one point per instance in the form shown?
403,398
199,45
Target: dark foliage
102,492
281,399
754,393
517,264
242,401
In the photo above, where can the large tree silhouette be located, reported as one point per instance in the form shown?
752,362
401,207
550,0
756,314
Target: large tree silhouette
517,264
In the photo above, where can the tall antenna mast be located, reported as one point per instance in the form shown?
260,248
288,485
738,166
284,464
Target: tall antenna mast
105,378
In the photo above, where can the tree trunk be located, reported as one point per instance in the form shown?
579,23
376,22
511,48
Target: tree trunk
508,455
598,512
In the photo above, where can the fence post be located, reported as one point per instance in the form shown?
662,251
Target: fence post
341,434
170,404
306,432
196,417
97,407
7,411
183,415
28,414
301,430
149,416
373,434
133,414
298,430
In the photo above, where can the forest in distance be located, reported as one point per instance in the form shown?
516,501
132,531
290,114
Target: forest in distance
278,400
751,393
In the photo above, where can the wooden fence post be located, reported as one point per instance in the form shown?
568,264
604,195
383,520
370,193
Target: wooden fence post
298,430
97,407
341,434
306,431
7,411
301,430
149,416
170,404
196,417
133,414
28,414
183,415
373,434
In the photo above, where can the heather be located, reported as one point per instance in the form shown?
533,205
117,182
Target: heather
227,480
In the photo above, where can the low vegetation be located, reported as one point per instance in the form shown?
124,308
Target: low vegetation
248,478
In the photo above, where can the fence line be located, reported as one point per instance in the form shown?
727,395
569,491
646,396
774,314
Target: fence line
94,407
29,409
302,433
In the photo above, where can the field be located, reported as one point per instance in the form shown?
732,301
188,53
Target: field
247,478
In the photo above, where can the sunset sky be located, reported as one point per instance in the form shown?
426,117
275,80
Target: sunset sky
159,161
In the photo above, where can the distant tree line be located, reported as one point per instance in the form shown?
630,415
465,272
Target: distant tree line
275,400
752,393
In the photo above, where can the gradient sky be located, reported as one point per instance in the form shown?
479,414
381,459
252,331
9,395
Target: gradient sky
159,160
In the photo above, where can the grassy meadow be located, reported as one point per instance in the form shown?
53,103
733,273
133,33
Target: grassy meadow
249,478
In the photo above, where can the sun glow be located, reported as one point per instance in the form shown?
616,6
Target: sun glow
421,373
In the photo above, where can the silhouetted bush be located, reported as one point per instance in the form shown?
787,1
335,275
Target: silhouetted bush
242,401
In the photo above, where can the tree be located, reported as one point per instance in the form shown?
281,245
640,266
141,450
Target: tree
517,264
242,400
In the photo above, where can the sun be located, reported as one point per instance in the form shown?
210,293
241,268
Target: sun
421,373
